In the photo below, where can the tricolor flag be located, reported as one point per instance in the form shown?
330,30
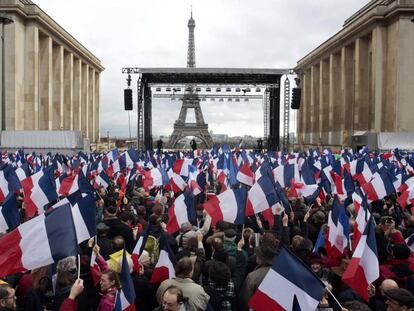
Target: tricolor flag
39,242
164,269
69,185
180,166
246,175
181,212
95,270
39,190
338,224
9,214
193,173
380,186
139,247
155,177
84,218
363,269
176,181
284,174
227,206
101,180
261,196
126,295
9,182
362,217
298,287
320,241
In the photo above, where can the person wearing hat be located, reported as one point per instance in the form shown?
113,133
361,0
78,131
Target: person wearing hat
316,264
399,299
105,244
398,267
265,254
229,242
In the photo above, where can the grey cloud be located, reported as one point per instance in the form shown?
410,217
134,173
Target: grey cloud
231,33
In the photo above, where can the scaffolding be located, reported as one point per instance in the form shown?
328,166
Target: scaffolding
266,102
286,113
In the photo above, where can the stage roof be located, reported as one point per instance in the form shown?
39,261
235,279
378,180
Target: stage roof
209,75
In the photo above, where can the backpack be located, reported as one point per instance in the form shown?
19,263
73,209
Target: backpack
152,246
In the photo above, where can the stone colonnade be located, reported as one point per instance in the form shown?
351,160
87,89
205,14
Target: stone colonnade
362,82
52,80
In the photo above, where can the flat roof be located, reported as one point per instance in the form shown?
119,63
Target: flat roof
209,75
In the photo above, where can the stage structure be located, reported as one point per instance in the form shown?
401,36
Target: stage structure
175,78
190,80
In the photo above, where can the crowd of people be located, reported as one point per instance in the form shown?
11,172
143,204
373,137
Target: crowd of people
220,266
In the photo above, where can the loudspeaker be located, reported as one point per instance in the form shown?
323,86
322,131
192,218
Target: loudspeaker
128,99
295,104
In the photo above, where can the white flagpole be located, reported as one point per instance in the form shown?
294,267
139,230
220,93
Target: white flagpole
78,266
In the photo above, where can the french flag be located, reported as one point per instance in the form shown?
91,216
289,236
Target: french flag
363,269
180,166
320,241
380,186
9,182
95,270
9,214
228,206
363,215
261,196
284,174
192,179
39,190
101,180
310,192
298,288
155,177
176,181
126,295
360,171
246,175
39,242
338,224
69,185
139,247
164,269
182,211
112,155
83,212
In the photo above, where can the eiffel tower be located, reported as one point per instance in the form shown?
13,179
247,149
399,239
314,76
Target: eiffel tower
190,101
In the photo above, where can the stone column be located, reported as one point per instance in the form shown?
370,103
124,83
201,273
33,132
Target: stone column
96,113
77,94
68,92
361,110
91,104
404,84
14,73
347,92
58,95
324,101
85,100
307,106
379,61
336,114
45,83
31,78
314,99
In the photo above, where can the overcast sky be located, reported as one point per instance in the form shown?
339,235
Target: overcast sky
228,33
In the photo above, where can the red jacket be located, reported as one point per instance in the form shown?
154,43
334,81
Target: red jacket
68,305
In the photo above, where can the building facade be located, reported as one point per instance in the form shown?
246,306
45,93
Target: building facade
361,80
52,81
